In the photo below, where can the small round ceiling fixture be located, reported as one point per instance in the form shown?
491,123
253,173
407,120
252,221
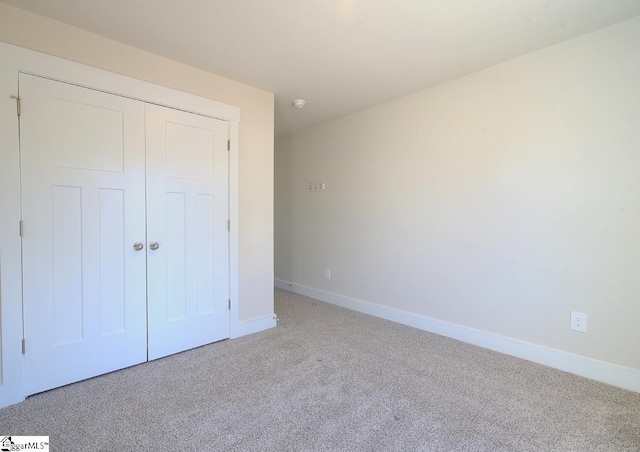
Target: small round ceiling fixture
299,103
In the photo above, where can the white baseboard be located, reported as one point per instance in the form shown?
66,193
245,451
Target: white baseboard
253,326
579,365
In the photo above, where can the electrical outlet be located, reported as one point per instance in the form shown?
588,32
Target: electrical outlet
313,186
579,321
327,273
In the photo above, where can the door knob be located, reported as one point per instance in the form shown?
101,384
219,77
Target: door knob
138,246
154,245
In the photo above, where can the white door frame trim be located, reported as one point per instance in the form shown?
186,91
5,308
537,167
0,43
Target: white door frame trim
14,60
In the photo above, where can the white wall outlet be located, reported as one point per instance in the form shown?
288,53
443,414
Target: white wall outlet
327,273
579,321
313,186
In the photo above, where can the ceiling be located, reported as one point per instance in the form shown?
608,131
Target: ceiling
341,56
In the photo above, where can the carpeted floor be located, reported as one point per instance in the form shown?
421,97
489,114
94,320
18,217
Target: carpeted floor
331,379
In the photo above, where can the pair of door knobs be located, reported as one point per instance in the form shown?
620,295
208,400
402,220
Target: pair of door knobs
153,245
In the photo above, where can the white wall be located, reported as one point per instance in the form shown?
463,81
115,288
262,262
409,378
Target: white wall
500,201
35,32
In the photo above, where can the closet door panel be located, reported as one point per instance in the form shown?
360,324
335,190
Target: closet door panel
187,213
83,202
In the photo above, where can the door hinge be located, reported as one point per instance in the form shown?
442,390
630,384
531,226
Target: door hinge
229,303
228,225
228,145
18,103
21,228
24,347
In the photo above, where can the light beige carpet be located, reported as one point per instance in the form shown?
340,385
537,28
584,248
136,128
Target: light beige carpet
331,379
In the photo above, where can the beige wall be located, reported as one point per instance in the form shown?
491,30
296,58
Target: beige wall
35,32
500,201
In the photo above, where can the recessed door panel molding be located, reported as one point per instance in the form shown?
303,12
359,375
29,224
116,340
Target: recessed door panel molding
205,246
175,247
67,318
187,215
112,261
83,205
86,136
194,161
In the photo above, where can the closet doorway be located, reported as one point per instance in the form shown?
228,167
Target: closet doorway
125,207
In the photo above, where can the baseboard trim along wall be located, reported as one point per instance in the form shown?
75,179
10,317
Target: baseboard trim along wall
579,365
253,326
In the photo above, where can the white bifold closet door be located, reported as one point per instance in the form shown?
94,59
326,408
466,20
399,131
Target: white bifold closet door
187,214
103,183
83,207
